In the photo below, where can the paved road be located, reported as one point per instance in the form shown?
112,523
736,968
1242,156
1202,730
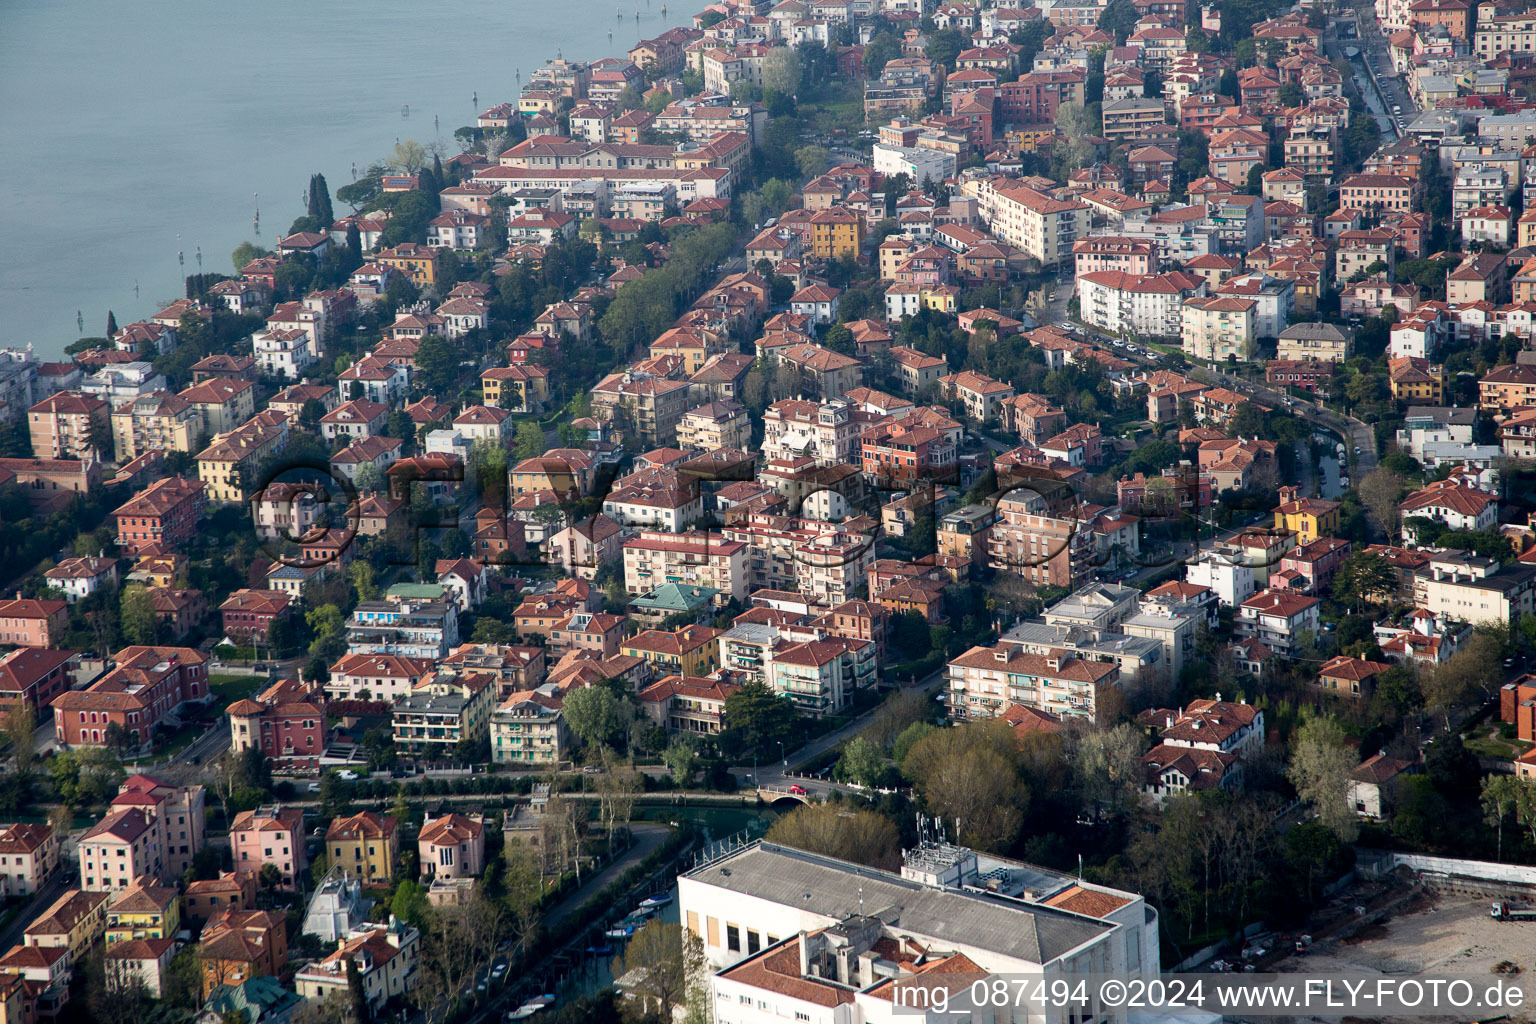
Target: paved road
11,934
648,839
777,772
1356,433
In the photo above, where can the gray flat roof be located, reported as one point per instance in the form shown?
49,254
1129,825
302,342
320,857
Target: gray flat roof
1116,644
837,889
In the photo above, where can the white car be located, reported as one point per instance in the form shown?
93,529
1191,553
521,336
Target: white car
348,774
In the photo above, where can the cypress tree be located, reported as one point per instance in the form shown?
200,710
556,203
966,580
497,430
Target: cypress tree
355,241
437,169
111,323
320,200
360,1009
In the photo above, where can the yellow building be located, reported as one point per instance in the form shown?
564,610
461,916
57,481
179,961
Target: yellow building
518,388
690,651
1417,381
694,346
417,262
75,921
835,233
14,1003
562,470
1308,518
367,844
228,466
167,570
157,421
144,912
223,402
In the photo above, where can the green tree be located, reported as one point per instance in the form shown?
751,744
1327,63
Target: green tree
408,157
1320,768
1500,798
968,775
245,252
88,775
760,720
861,763
410,903
1316,852
437,366
663,960
595,715
361,575
529,441
327,625
1108,768
836,830
944,47
136,615
681,760
781,70
812,160
1364,578
320,200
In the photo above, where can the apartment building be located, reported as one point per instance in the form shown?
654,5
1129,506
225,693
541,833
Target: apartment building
366,844
147,685
1148,305
29,857
826,432
1035,539
1472,589
985,682
1218,328
528,728
819,677
444,710
285,721
270,835
70,426
1377,192
1277,618
649,407
704,559
158,421
451,846
1029,220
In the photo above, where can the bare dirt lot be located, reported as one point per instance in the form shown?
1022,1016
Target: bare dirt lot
1431,934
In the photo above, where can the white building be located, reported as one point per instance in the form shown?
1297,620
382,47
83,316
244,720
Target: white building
916,162
1224,570
283,352
794,936
1123,303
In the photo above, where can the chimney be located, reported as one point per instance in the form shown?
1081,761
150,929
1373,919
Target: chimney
805,956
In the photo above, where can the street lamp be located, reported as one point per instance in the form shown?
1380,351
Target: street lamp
782,754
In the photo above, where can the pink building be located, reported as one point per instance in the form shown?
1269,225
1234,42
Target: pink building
452,846
32,623
269,835
29,855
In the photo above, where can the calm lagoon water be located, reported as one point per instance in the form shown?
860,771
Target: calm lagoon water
130,132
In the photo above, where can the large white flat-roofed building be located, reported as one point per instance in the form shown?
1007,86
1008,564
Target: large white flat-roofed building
795,936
